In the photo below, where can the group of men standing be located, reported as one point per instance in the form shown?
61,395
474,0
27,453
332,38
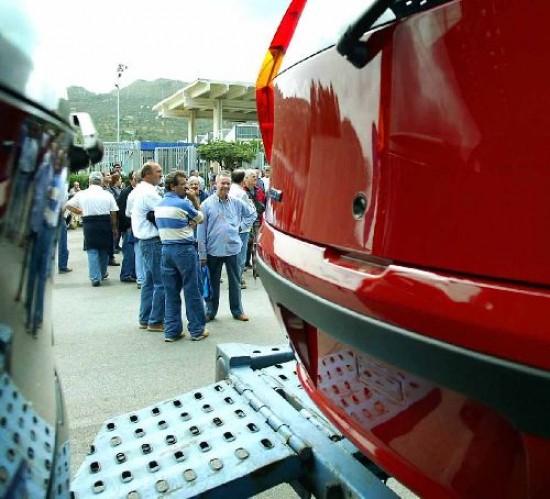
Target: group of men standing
176,235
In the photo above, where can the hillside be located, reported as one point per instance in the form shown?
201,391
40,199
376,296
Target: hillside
137,120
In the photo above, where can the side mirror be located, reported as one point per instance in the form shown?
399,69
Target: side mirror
86,147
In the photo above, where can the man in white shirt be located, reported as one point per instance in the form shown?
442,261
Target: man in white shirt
145,198
99,221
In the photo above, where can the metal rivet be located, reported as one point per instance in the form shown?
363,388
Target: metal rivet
95,467
139,433
242,453
134,418
115,441
217,422
194,430
162,425
170,439
161,486
133,494
185,416
91,450
229,437
189,475
207,408
180,456
111,426
216,464
153,466
204,446
155,411
120,457
146,448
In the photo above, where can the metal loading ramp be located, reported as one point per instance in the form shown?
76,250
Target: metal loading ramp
241,435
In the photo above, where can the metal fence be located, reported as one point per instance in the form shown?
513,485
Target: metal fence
131,157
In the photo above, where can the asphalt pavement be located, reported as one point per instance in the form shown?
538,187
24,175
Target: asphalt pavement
108,366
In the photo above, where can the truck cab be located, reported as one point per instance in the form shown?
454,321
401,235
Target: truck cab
403,247
37,151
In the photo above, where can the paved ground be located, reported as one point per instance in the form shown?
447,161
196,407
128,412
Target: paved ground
108,366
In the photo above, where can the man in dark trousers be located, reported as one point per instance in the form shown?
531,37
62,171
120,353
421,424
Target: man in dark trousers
128,267
100,224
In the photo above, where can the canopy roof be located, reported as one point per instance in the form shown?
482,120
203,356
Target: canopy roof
199,99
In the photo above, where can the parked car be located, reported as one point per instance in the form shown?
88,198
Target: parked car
405,244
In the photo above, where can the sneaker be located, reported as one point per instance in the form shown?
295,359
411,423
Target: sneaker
127,279
95,284
242,317
142,326
114,263
65,271
201,336
155,328
171,340
105,275
243,284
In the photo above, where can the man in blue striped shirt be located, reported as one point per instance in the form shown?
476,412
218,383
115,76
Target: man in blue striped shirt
176,216
220,242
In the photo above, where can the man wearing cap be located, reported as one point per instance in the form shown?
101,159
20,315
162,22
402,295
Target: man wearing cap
99,221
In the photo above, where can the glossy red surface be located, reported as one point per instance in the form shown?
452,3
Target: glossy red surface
501,320
436,441
445,132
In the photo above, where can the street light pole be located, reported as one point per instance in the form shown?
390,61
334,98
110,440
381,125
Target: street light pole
120,69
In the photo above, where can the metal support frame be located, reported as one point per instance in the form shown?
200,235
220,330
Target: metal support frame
244,434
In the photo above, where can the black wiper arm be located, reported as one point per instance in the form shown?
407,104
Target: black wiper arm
349,45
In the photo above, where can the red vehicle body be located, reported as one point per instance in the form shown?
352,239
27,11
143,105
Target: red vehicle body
406,245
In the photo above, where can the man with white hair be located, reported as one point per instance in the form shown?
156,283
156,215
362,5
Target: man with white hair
99,221
220,243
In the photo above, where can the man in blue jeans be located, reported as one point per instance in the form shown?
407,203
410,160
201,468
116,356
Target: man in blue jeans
145,200
176,218
220,243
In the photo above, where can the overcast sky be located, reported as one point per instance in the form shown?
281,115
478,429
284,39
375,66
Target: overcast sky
177,39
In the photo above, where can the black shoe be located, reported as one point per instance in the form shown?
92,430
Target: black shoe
65,271
95,284
105,275
127,279
114,263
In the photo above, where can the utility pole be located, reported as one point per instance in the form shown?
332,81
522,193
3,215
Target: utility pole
120,69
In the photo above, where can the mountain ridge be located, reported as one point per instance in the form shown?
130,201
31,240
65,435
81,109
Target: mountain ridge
137,119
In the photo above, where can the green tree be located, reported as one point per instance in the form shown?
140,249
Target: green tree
230,155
